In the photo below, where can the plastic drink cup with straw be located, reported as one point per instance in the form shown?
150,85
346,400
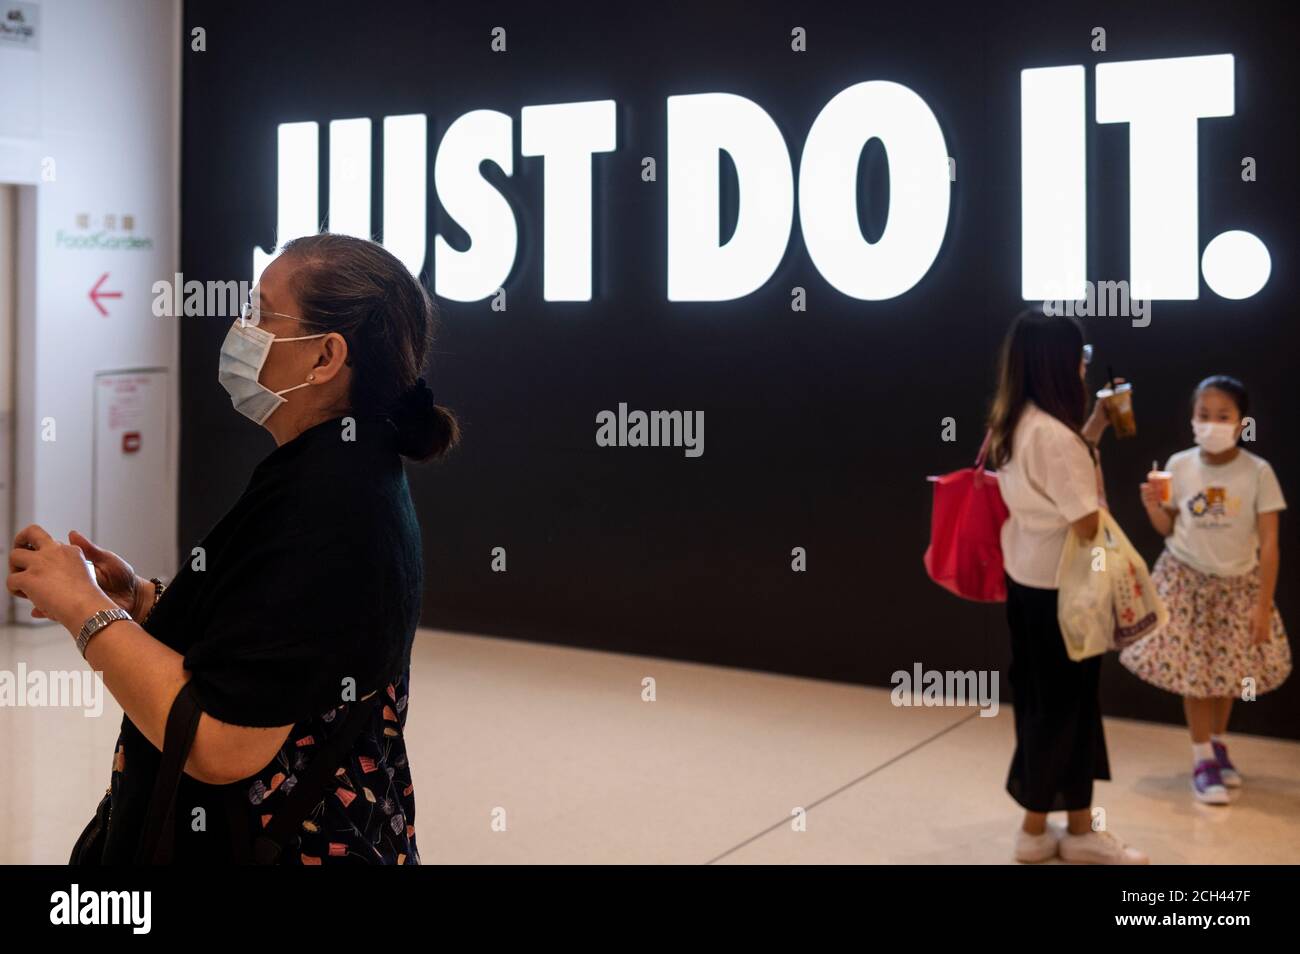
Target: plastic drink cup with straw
1117,399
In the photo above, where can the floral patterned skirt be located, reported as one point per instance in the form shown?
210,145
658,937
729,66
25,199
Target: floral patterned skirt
1206,650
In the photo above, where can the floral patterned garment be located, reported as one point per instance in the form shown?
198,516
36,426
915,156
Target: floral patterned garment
367,815
1206,650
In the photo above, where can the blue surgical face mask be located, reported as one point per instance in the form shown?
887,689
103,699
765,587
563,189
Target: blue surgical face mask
242,355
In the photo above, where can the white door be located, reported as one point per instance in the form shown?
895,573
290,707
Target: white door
130,467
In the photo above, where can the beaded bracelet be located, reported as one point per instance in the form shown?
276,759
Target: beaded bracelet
157,595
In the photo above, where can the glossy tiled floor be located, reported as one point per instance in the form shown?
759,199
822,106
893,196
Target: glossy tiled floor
558,744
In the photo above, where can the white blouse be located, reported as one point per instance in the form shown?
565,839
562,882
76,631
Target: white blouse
1050,482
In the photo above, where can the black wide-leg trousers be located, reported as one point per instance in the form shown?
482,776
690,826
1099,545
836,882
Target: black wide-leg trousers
1060,744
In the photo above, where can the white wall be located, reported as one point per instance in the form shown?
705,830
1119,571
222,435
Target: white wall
103,140
8,217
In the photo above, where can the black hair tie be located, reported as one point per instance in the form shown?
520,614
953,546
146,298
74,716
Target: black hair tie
417,399
423,429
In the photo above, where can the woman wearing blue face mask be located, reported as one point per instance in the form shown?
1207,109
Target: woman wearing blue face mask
280,654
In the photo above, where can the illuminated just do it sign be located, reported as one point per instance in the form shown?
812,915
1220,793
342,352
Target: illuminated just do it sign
1161,100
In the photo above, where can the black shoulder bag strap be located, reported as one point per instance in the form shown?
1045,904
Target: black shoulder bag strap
156,842
310,786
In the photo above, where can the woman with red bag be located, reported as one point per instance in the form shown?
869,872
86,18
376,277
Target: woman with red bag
1043,444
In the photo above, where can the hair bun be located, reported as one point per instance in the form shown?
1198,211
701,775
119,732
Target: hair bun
424,429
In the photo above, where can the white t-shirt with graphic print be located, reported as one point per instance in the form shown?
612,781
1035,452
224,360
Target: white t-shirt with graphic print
1218,505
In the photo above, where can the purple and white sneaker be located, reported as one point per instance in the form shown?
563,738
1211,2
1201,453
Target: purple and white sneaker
1208,783
1227,771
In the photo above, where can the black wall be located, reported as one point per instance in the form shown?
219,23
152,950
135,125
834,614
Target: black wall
820,426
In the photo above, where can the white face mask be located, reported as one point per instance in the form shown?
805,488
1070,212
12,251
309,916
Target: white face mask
1214,437
242,355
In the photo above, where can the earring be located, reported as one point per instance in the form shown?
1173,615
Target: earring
311,377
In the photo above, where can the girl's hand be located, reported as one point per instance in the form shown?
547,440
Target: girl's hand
1261,625
1150,496
54,577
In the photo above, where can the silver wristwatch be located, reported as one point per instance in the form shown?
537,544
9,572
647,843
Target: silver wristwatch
97,622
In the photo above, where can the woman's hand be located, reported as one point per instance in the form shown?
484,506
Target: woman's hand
1097,421
1261,624
115,577
54,577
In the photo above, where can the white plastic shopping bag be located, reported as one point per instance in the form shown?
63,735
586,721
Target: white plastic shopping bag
1084,595
1105,598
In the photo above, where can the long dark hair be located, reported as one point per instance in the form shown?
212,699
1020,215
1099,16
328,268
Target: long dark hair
362,291
1040,363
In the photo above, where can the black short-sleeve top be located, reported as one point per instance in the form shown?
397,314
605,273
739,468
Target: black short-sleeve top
302,599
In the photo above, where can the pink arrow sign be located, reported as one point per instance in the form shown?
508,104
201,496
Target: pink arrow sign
96,294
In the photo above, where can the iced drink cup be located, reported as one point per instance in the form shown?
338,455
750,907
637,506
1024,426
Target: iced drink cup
1118,402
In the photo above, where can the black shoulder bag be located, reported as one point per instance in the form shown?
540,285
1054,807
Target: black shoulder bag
156,842
89,848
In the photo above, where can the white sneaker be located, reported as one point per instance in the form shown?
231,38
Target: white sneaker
1099,848
1032,849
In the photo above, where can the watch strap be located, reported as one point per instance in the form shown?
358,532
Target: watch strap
95,623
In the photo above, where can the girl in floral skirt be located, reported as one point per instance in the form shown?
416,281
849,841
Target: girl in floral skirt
1217,574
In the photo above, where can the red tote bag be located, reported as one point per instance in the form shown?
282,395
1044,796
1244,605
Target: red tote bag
965,551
